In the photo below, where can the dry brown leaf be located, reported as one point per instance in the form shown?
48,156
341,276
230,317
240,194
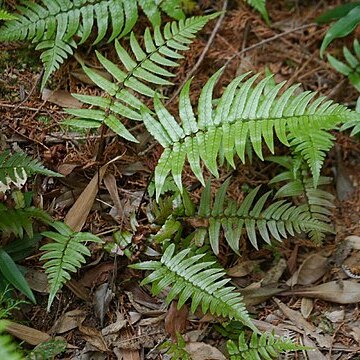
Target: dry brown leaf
26,333
68,321
344,292
60,97
38,281
354,241
274,274
102,298
314,353
254,296
111,186
125,354
116,326
311,270
202,351
66,169
243,268
175,320
307,306
97,275
93,337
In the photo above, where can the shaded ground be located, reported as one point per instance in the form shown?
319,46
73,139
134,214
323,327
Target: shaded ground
32,124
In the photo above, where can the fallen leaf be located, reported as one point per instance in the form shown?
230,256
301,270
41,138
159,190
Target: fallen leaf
37,281
314,353
68,321
60,97
346,292
175,320
274,274
96,275
202,351
243,268
335,316
116,326
258,295
354,241
102,298
312,269
111,186
307,306
26,333
125,354
66,169
94,337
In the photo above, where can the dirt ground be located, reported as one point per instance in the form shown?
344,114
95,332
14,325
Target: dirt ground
105,291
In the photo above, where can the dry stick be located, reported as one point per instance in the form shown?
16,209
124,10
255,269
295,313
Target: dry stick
202,56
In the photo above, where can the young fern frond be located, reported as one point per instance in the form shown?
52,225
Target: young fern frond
277,220
350,67
64,255
243,113
16,168
317,203
141,70
6,16
265,346
20,221
200,281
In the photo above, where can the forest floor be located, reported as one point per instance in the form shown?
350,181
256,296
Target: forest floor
105,291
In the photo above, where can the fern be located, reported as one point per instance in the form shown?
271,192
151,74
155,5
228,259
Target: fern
17,167
277,220
8,349
4,15
243,113
144,68
260,6
351,68
64,255
189,277
176,349
265,346
18,221
317,203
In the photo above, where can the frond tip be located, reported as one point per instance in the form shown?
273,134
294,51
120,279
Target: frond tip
64,255
200,281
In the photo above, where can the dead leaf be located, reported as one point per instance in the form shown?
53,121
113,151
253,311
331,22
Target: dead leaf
346,292
67,169
354,241
274,274
314,353
60,97
26,333
116,326
102,298
312,269
344,186
125,354
175,320
37,280
307,306
68,321
335,316
94,337
111,186
96,275
254,296
243,268
202,351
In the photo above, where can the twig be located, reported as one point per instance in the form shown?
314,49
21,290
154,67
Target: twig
202,56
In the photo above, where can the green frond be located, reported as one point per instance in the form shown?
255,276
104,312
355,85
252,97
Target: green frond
64,255
8,349
18,221
176,349
152,10
260,6
16,168
6,16
265,346
350,67
317,203
245,114
147,66
188,277
277,220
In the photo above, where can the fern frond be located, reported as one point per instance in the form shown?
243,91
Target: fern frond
64,255
265,346
350,67
17,167
318,202
200,281
277,220
8,349
243,114
152,10
18,221
176,349
6,16
144,67
260,6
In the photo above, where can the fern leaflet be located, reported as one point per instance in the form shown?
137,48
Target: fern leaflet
145,67
4,15
243,112
277,220
8,349
189,277
317,202
17,167
265,346
64,255
260,6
